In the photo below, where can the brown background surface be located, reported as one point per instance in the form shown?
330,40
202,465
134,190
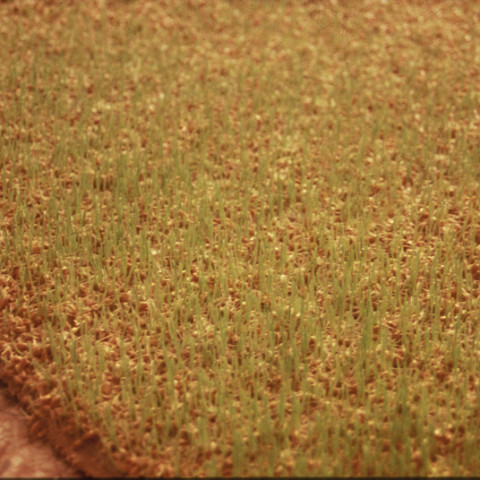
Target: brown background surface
20,455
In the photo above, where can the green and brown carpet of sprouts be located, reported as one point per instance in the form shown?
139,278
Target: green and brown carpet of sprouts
243,238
